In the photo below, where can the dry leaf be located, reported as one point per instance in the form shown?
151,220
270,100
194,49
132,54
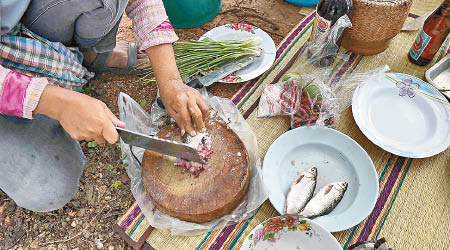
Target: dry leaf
2,208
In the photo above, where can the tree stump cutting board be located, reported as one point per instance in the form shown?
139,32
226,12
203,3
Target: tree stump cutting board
215,192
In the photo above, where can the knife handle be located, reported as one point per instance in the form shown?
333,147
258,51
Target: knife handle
195,83
160,103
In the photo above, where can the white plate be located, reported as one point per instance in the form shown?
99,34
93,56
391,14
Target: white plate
337,158
414,125
296,233
238,32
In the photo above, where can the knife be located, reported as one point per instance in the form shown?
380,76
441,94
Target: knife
166,147
221,72
214,76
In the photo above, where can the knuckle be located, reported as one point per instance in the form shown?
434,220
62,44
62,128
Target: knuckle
97,102
197,115
187,120
100,105
106,122
94,131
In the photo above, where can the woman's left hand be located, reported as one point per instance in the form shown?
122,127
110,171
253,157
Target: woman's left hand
183,102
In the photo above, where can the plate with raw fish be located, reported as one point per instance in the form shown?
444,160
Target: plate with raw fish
321,174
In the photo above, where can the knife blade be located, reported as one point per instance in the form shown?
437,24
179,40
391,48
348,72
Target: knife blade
166,147
223,70
215,75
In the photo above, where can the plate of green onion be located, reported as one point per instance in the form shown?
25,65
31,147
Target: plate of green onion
219,46
251,40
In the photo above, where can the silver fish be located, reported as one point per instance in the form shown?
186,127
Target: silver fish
193,140
301,191
325,200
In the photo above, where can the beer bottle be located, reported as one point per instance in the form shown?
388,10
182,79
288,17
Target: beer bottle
327,14
435,29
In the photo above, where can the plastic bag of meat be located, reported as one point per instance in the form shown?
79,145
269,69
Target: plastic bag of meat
313,92
317,107
281,98
310,99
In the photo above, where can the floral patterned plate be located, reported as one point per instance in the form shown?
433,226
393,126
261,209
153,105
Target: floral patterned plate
238,31
290,232
403,115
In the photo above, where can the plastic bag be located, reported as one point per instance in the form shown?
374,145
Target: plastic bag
306,100
281,98
139,120
317,106
323,101
308,93
379,244
317,103
324,53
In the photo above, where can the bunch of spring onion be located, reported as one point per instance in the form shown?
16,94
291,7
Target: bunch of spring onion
198,57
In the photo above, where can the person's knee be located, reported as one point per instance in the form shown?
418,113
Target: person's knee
40,164
61,21
45,193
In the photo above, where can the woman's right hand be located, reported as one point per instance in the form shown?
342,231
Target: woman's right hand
83,117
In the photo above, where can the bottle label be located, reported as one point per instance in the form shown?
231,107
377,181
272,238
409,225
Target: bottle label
320,31
419,45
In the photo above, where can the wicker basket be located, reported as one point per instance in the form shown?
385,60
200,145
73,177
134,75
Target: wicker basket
375,23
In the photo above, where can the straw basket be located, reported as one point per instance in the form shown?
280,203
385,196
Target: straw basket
374,24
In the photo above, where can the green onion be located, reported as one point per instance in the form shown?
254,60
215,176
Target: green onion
198,57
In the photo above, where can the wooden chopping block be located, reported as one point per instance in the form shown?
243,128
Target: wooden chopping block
215,192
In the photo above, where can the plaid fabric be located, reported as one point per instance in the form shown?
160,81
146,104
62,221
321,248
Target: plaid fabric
23,51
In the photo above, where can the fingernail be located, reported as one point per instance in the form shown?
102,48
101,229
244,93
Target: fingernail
183,132
204,130
193,133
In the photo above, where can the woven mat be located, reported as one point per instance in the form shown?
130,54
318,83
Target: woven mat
413,208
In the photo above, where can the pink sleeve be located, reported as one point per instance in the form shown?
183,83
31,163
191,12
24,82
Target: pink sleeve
19,93
150,23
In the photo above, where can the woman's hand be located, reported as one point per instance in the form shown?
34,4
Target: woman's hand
83,117
183,102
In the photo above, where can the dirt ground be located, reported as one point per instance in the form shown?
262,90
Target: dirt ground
104,190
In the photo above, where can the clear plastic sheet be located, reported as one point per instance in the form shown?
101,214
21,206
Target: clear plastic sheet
324,53
317,106
139,120
281,98
379,244
307,93
316,103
